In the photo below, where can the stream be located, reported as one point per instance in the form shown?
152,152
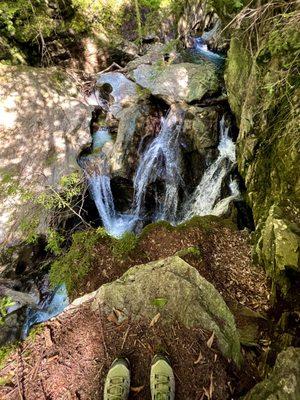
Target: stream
159,168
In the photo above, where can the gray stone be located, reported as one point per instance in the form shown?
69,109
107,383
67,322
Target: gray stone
44,123
283,383
188,298
201,127
177,82
122,91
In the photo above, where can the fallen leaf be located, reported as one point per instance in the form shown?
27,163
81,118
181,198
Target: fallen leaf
199,358
112,318
210,340
137,389
154,320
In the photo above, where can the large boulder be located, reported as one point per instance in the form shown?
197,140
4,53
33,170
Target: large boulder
264,97
283,383
177,82
44,124
177,291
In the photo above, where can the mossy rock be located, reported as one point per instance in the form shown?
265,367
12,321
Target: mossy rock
284,380
178,82
263,87
188,298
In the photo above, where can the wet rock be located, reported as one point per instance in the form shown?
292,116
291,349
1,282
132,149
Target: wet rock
156,53
11,328
201,126
44,124
132,126
19,298
188,298
284,380
120,91
177,82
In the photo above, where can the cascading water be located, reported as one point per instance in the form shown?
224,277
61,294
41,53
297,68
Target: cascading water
201,48
204,200
97,172
161,161
54,303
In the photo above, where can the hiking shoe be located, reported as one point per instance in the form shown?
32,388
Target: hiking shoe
117,383
162,381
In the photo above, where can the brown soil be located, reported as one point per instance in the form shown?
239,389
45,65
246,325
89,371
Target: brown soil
70,359
225,261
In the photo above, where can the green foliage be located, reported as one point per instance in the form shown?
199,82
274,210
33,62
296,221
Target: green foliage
5,302
5,351
72,267
54,242
124,246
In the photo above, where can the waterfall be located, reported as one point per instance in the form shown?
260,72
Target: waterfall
161,161
202,49
207,193
116,224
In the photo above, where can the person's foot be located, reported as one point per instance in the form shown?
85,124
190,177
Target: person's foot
162,381
117,383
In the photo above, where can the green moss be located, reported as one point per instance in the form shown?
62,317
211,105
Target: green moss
35,331
5,352
123,247
189,251
207,222
72,267
263,88
155,225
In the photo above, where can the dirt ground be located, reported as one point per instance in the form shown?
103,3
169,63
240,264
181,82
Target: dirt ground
69,359
71,356
225,261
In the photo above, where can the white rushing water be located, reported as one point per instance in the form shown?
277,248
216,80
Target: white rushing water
205,198
116,224
101,137
161,161
201,48
99,181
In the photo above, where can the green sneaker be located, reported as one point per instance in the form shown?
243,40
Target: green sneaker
117,383
162,381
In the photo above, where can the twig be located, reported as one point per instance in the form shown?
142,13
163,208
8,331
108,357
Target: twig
125,337
114,64
65,203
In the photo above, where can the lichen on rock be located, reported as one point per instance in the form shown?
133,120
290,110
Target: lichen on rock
190,300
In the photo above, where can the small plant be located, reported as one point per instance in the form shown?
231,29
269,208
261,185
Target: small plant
159,302
5,303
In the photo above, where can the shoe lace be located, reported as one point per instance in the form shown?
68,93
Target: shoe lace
116,388
162,387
